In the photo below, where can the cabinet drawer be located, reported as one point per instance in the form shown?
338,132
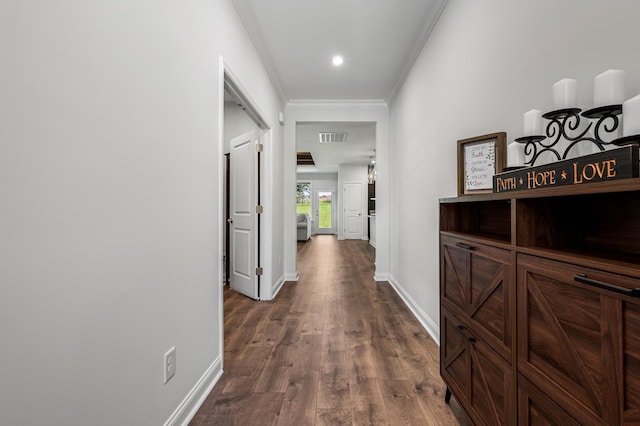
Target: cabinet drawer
577,338
481,380
475,282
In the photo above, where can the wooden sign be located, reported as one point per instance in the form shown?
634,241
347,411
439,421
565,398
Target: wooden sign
620,163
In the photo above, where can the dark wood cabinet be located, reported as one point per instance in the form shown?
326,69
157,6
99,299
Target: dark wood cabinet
540,304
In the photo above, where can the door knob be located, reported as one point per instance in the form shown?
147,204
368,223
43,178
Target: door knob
229,220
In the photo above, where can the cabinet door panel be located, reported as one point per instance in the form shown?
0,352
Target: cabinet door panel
476,282
570,339
454,356
492,393
480,379
535,409
489,304
454,275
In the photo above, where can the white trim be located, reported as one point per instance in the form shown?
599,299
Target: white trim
194,399
416,51
336,102
428,324
221,192
249,20
291,277
380,277
278,285
266,199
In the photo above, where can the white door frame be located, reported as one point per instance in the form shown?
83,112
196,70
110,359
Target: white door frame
307,111
315,204
226,77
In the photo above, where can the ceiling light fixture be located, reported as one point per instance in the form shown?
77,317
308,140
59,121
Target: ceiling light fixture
372,172
337,60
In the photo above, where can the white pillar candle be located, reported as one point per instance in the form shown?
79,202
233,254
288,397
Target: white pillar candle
609,88
631,117
565,94
515,155
532,123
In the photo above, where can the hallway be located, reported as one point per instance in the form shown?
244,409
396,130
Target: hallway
335,348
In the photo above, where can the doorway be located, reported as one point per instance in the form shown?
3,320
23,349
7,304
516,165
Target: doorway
325,210
244,134
324,116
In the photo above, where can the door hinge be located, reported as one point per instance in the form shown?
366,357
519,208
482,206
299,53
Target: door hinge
259,270
259,209
259,147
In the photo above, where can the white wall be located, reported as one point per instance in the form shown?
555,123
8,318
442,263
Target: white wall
484,65
110,162
236,123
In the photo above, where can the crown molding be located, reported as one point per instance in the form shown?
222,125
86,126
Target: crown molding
337,103
422,40
249,21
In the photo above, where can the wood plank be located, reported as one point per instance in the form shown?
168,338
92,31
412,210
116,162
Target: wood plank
333,348
333,417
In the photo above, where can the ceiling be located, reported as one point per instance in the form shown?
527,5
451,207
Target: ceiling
358,148
379,40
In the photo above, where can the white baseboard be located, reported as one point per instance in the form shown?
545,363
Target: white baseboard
276,288
288,276
421,316
380,277
194,399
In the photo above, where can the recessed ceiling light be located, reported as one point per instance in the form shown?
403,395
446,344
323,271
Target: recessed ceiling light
337,60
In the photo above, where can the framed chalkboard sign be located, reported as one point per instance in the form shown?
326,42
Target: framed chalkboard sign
479,158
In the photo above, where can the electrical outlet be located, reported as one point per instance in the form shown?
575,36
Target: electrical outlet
169,364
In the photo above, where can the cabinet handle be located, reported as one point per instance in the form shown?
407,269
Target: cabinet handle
469,338
465,246
582,278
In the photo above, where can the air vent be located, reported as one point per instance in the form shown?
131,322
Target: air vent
332,137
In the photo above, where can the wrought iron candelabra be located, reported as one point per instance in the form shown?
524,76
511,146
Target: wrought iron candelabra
563,125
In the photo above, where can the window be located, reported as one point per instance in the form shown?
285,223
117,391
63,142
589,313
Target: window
303,197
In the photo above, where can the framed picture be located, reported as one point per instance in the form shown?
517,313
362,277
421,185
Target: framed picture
480,158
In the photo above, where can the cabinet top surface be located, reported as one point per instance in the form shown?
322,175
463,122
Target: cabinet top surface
623,185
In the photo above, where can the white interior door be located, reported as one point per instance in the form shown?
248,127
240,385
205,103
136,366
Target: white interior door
325,210
353,211
243,187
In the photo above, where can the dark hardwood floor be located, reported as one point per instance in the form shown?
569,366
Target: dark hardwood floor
334,348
